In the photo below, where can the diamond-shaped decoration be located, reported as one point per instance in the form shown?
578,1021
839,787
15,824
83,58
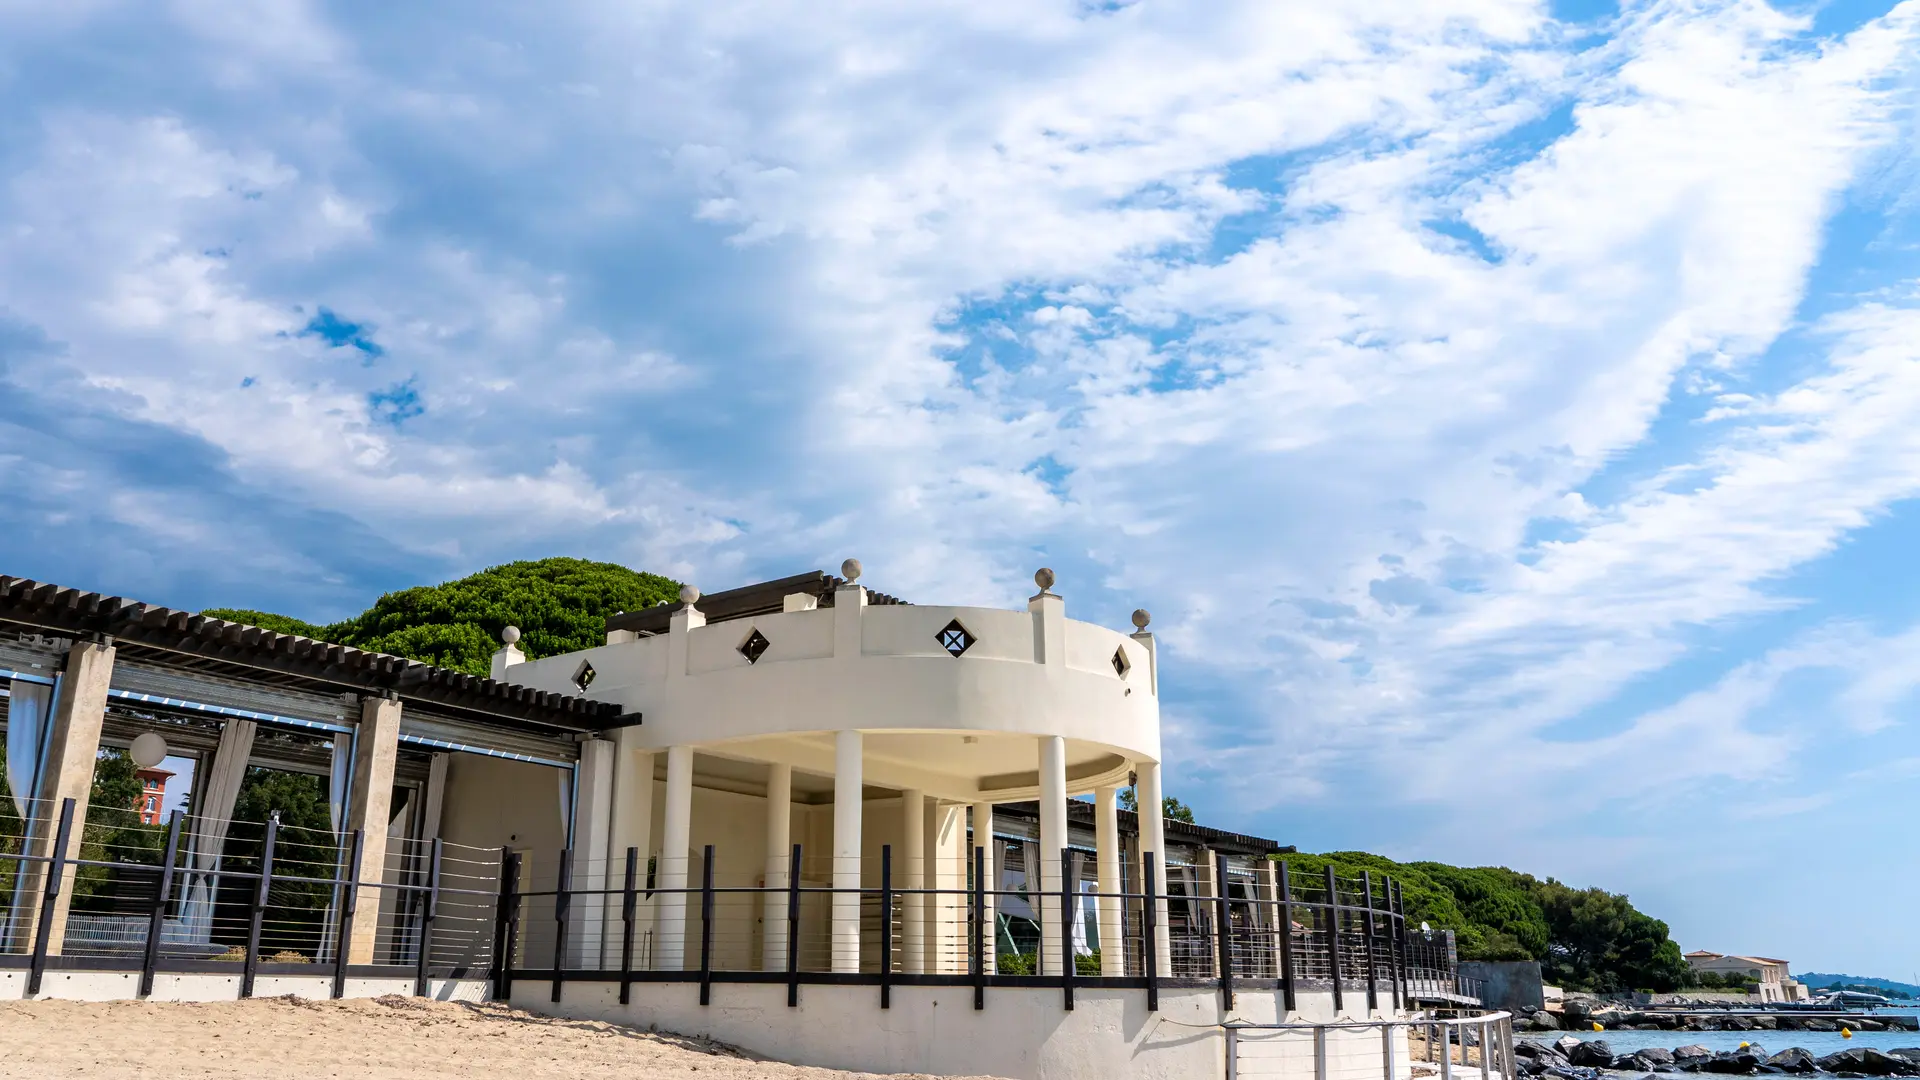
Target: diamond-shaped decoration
1120,663
583,678
955,639
754,646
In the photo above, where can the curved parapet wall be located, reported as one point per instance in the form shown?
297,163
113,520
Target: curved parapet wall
878,669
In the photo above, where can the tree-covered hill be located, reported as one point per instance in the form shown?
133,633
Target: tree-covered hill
1585,939
559,604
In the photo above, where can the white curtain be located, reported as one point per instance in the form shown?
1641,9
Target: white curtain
212,814
28,713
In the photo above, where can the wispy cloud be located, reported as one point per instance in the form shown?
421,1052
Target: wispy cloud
1468,394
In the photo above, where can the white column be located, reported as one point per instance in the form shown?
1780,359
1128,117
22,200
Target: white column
670,871
592,822
1053,840
983,838
773,912
632,827
1270,917
909,872
945,861
1153,839
1113,937
847,808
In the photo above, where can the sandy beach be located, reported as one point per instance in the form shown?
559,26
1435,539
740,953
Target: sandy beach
383,1039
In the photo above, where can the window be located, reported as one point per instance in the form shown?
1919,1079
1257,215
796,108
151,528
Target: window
955,639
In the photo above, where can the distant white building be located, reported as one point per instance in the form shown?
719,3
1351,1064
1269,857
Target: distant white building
1769,975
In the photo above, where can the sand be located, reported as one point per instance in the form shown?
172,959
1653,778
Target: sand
383,1039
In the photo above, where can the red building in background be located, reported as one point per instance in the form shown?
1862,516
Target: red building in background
153,793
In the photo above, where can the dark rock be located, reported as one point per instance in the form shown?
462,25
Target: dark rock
1734,1061
1653,1056
1765,1023
1903,1022
1815,1023
1545,1021
1739,1023
1864,1024
1566,1046
1910,1053
1865,1061
1593,1055
1691,1052
1793,1059
1790,1022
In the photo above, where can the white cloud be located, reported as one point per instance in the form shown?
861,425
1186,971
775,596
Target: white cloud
1434,374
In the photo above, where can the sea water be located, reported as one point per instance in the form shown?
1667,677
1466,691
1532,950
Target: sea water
1818,1043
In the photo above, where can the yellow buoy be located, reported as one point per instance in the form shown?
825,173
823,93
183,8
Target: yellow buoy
1597,1027
1846,1033
1743,1046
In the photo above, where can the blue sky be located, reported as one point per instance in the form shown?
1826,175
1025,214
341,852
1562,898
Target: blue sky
1509,411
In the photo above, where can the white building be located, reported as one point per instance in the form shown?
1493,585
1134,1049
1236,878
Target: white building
765,816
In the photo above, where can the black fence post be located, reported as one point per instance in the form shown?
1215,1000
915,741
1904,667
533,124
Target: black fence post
1288,979
1373,982
980,941
1400,939
429,911
250,964
1067,900
349,905
562,905
1333,937
1150,932
793,930
56,869
157,920
706,925
1223,909
629,903
1394,932
503,898
886,926
513,926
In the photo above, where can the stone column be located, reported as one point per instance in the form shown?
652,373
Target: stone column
592,834
1113,935
1053,840
983,839
847,809
369,809
909,872
72,747
670,872
632,827
773,910
1153,839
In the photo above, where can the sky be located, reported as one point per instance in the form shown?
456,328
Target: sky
1509,412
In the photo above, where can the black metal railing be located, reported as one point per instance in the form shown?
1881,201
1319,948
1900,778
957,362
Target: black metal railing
702,920
194,895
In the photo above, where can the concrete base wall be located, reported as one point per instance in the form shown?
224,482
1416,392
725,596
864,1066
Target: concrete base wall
123,986
1023,1034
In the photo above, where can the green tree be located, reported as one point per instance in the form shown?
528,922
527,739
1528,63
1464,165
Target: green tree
267,620
112,833
559,604
304,848
1585,939
1170,808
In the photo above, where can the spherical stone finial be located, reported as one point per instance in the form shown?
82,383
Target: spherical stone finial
1043,577
510,635
1141,618
850,570
689,594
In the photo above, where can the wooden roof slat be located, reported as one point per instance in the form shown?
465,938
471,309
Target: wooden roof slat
197,642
